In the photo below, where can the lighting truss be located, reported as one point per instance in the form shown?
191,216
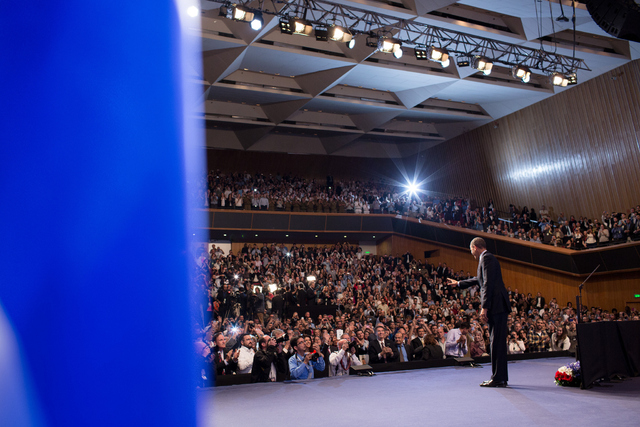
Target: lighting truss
415,34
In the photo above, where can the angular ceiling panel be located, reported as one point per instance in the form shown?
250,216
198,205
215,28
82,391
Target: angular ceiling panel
411,98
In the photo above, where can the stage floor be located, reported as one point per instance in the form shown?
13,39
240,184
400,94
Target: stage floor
439,396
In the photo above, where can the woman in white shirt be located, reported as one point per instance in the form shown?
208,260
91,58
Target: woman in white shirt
559,340
516,346
358,206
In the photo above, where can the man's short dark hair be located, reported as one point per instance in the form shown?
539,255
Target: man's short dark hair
294,342
479,242
463,325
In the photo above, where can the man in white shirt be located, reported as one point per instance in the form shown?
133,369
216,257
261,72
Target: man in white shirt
456,343
246,355
343,359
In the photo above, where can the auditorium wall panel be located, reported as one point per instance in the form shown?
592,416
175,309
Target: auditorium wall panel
314,166
576,152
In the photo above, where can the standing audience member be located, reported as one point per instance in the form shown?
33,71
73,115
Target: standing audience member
267,363
456,343
246,354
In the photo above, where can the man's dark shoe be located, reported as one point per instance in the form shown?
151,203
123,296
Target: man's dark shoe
492,383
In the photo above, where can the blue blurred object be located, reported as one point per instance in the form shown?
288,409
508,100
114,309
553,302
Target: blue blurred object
93,266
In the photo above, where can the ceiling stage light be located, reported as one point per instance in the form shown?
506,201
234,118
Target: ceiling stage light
237,13
421,53
340,34
322,34
440,55
388,45
257,22
521,72
300,27
285,27
482,63
559,79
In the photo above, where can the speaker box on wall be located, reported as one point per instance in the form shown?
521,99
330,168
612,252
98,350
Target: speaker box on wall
620,18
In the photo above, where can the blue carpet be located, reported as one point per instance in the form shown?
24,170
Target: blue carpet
443,397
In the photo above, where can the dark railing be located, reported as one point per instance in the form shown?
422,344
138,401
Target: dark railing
274,226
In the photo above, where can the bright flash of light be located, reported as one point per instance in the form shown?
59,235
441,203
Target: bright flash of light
193,11
236,277
412,188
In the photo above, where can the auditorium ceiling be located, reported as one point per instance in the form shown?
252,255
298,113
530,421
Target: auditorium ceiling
269,91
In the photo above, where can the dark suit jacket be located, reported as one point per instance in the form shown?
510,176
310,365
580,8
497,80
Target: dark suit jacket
407,348
493,294
375,349
221,367
277,303
430,352
416,348
262,366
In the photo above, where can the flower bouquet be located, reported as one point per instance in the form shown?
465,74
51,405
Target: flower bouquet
569,375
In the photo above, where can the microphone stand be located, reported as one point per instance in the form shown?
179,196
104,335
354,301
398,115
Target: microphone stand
579,296
579,308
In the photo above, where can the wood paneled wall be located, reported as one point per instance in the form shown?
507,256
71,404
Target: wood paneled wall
606,290
313,166
577,152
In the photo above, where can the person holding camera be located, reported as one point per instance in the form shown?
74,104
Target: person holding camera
343,359
303,362
516,345
267,363
456,344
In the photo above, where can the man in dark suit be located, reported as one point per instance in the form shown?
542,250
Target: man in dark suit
539,302
405,352
417,344
495,308
277,304
380,349
226,362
